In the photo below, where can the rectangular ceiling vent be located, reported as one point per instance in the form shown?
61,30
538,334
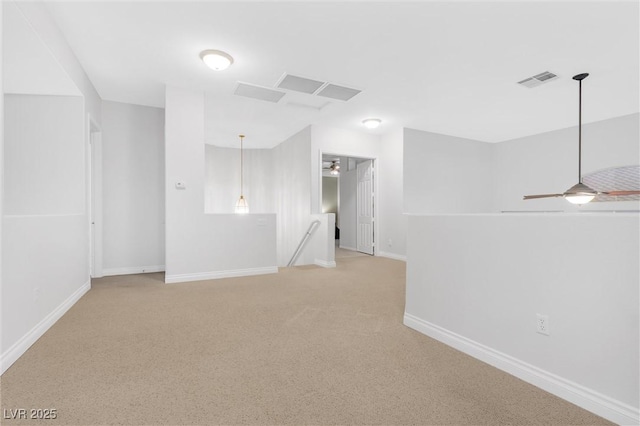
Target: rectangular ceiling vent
537,80
299,84
258,92
340,93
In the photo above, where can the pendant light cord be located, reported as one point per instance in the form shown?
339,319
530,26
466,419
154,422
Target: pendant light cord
241,167
580,132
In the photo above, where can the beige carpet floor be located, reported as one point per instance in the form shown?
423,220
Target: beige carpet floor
305,346
342,253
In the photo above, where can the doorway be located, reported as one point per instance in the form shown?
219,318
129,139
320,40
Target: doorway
348,190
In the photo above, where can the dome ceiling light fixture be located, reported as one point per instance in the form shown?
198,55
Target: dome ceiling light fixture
580,193
217,60
371,123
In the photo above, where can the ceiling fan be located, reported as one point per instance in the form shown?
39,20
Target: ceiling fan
333,167
580,193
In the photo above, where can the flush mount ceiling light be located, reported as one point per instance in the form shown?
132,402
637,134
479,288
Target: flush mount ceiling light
580,193
216,59
371,123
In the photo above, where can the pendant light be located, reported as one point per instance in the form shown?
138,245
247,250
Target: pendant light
242,207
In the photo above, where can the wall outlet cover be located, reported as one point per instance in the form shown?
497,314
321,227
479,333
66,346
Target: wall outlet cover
542,324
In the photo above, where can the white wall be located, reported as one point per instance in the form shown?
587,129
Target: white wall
222,179
388,178
199,245
58,244
44,221
390,197
225,245
446,174
477,282
548,163
292,195
133,188
44,167
322,242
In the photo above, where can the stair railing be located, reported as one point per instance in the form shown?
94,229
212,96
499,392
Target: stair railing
312,228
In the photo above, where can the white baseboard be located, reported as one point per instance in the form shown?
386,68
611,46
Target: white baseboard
348,248
200,276
324,263
132,270
392,255
579,395
12,354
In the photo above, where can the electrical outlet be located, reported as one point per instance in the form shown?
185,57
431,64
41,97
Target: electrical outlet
542,324
390,242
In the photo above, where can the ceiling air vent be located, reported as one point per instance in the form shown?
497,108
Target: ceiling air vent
299,84
257,92
539,79
340,93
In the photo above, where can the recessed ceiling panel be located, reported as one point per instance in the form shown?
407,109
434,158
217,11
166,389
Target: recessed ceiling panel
300,84
340,93
257,92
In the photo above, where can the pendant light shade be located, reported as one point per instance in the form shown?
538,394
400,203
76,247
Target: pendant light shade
579,199
242,207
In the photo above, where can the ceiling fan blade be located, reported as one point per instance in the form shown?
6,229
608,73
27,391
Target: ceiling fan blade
619,193
532,197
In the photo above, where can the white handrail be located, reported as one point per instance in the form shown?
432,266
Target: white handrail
312,227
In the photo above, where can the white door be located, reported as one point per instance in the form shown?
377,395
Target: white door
95,200
364,207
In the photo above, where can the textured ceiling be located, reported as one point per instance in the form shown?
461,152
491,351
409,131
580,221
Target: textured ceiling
449,68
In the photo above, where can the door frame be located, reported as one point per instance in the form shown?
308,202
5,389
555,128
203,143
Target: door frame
94,137
376,199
